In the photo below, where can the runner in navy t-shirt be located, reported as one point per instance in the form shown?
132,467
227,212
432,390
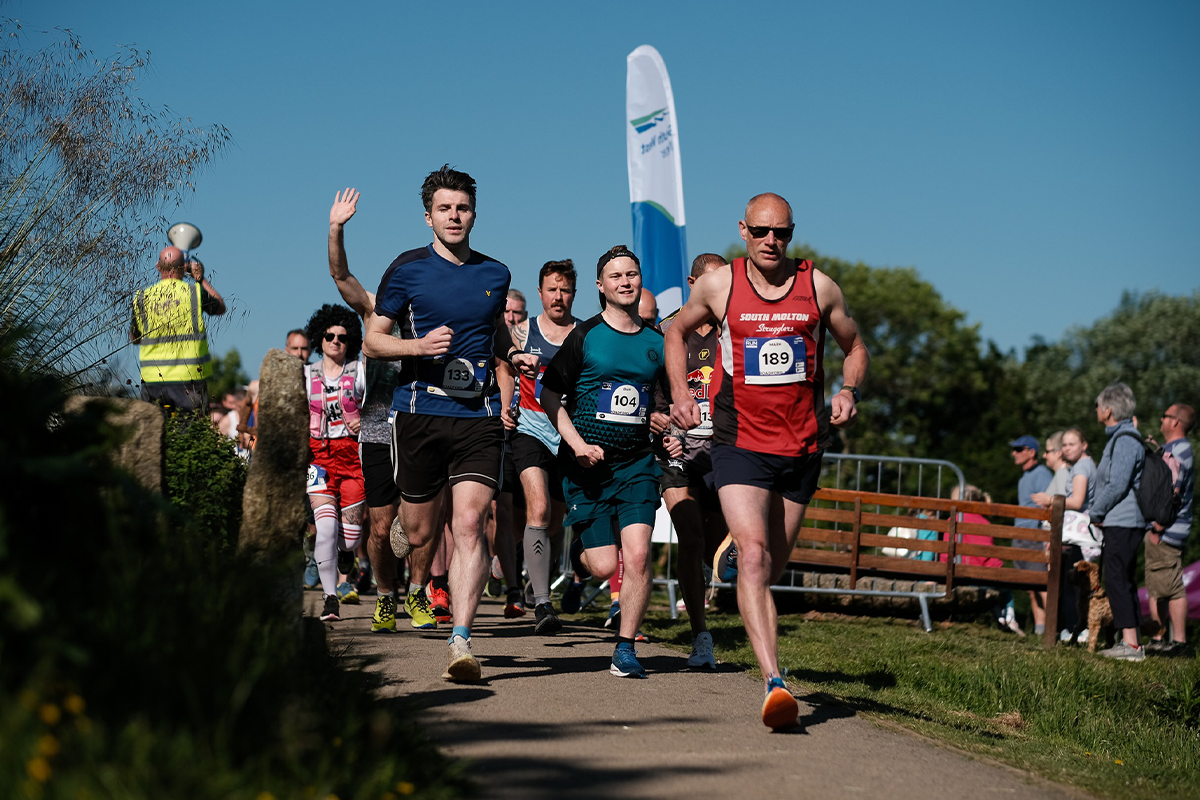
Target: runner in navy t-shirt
448,301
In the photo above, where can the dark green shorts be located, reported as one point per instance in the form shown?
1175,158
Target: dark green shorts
624,494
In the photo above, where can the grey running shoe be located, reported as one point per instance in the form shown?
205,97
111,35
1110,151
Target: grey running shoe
463,668
1123,652
400,545
702,652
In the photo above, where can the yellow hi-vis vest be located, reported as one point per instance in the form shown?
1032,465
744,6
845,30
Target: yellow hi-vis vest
174,347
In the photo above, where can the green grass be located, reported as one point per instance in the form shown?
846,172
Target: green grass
1118,730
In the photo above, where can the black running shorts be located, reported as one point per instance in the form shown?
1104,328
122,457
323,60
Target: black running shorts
432,451
529,452
378,475
793,477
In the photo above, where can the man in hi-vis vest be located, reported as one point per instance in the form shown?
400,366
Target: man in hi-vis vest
168,324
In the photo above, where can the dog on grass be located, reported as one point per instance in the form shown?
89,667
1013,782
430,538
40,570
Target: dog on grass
1094,610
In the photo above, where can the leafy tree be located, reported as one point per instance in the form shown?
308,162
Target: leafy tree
87,170
227,376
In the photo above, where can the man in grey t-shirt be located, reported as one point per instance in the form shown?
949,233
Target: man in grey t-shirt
1164,547
1035,478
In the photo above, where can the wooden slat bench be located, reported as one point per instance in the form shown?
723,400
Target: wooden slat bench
839,535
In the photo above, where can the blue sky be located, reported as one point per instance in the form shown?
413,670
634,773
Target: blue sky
1031,160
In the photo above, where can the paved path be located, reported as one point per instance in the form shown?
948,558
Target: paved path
550,722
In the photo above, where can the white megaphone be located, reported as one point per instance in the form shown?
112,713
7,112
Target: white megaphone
185,236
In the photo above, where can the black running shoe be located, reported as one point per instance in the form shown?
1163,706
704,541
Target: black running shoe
545,620
332,609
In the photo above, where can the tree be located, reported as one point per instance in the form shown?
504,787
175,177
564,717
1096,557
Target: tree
1148,342
87,170
227,376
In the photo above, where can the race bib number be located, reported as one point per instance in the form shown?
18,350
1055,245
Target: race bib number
705,428
774,360
461,378
316,479
334,415
537,384
623,403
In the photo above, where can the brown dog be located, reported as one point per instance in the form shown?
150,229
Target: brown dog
1094,601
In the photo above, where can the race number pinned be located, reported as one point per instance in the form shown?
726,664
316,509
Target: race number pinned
460,377
774,360
705,428
316,479
623,403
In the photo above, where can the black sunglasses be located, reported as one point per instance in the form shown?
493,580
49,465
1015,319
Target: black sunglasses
341,337
761,231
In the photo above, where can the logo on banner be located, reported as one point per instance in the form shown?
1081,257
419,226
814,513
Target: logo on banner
643,124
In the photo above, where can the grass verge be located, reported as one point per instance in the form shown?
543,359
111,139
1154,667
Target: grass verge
1115,729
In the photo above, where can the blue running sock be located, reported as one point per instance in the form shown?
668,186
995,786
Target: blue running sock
461,630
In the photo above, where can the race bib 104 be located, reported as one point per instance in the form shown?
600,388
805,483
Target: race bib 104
773,360
460,377
623,403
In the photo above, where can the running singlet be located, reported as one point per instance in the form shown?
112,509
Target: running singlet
332,403
422,291
607,379
701,361
533,419
769,385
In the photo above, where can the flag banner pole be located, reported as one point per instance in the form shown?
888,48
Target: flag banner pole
655,178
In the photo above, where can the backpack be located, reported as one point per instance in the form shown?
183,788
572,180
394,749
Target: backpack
1157,497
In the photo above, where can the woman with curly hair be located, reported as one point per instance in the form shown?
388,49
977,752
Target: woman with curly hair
336,385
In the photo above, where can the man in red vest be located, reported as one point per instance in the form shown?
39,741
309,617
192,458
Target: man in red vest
769,413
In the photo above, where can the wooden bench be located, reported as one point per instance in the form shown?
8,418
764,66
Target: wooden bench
841,533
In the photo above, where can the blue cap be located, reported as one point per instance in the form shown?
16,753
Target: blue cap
1025,441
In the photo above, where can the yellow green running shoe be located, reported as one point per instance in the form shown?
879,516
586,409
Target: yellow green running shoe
417,606
384,620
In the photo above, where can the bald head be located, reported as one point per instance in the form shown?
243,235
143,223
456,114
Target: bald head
170,260
768,204
648,307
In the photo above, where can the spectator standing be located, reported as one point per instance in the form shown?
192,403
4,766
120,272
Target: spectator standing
168,326
1116,511
1035,478
1083,471
297,344
1164,548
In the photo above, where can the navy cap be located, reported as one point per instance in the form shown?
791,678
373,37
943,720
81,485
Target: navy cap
1025,441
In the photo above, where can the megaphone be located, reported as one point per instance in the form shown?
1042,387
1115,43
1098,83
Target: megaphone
185,236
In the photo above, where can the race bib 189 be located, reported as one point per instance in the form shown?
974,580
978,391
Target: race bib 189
623,403
774,360
460,378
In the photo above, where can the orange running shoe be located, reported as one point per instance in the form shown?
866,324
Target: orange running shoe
439,602
779,709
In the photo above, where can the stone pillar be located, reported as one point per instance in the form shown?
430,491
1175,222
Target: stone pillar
142,454
273,503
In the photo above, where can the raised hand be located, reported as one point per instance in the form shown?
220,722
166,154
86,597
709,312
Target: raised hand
344,205
436,342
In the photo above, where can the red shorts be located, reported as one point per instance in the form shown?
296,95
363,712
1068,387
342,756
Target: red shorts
335,471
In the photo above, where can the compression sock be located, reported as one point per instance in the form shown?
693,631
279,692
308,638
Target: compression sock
537,561
351,535
325,547
614,583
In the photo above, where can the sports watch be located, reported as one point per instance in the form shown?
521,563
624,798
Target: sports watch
853,393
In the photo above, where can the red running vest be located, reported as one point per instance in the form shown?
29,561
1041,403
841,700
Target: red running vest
769,383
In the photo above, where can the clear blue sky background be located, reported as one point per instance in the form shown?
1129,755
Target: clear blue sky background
1030,159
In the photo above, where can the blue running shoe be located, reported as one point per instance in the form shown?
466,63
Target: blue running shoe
347,594
614,616
625,663
725,561
312,578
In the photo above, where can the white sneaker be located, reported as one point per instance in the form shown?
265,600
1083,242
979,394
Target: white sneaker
1123,652
702,652
464,667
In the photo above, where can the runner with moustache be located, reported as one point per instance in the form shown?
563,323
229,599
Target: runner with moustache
536,441
687,480
770,421
449,302
607,370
